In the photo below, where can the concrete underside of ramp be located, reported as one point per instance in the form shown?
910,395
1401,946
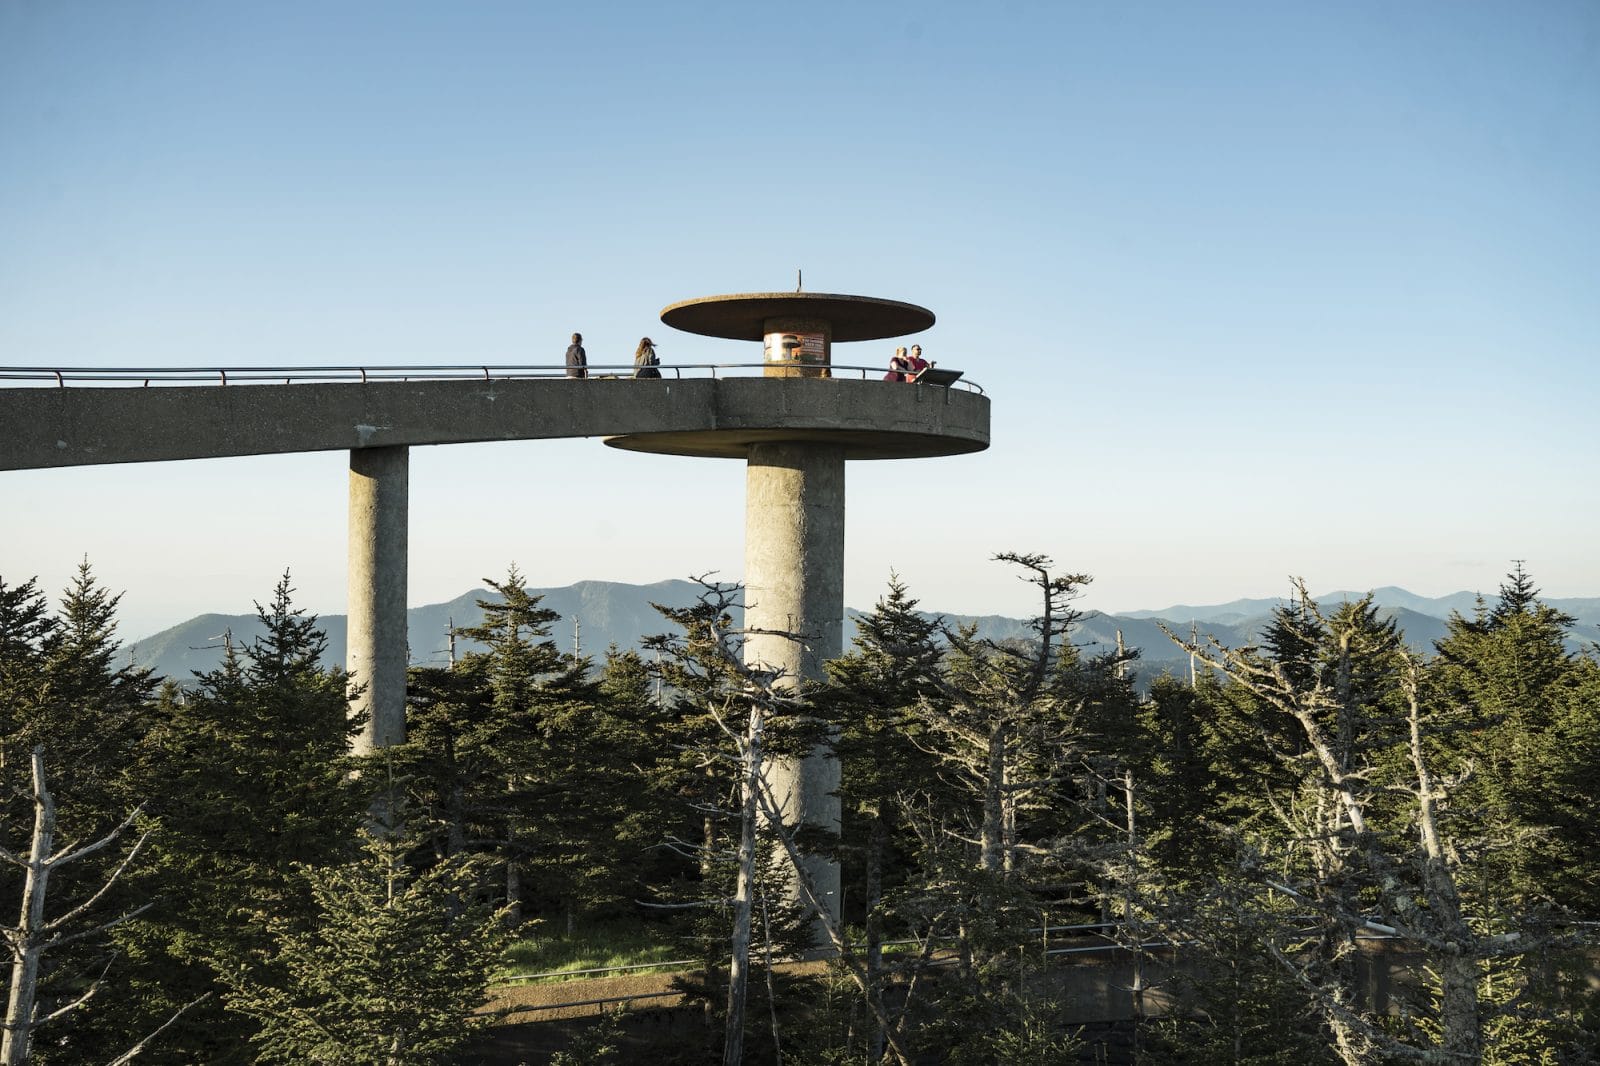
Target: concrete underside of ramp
45,427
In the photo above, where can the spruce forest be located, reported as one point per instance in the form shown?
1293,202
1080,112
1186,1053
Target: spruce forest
1325,848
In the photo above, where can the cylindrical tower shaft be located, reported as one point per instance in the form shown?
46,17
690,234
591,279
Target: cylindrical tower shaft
376,650
797,346
794,584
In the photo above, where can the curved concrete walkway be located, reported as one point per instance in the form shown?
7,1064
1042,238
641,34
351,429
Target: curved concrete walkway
75,426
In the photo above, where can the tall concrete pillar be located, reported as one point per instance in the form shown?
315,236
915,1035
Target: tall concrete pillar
376,650
794,582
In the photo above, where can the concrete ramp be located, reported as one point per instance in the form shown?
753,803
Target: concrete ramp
75,426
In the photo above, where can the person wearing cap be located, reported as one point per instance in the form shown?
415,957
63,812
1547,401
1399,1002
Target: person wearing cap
645,361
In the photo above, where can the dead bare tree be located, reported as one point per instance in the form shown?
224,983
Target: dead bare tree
708,656
34,934
1353,817
1002,730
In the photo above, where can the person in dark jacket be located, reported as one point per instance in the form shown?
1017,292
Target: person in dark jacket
645,361
577,358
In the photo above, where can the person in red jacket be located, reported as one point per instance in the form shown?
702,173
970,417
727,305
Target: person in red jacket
916,363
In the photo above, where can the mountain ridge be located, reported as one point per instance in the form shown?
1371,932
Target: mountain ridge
596,615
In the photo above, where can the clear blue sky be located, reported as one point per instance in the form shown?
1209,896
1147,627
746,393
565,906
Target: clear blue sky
1257,289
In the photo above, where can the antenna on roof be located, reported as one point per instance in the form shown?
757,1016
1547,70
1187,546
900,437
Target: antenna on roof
799,280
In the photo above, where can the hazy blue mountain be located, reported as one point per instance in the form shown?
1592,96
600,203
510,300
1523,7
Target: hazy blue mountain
1231,613
596,613
1246,611
599,614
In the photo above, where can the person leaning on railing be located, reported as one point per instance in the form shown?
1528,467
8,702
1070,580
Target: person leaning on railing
916,363
645,361
899,367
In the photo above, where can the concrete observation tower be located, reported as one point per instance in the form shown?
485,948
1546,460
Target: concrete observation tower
795,425
794,482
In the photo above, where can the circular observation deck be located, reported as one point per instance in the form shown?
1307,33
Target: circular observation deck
869,419
798,401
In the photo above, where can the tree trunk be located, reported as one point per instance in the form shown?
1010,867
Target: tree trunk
739,961
990,840
28,945
513,872
456,830
1008,820
875,849
708,850
1458,1007
1130,921
513,883
1458,969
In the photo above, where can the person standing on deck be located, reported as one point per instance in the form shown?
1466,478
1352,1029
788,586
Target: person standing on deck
577,358
645,360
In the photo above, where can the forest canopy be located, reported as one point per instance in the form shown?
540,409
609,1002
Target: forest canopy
203,873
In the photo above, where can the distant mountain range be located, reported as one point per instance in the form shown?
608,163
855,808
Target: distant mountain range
599,614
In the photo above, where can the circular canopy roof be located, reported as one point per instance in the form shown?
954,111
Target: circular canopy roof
743,317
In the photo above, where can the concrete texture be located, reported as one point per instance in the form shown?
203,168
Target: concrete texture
742,316
52,427
376,653
794,585
869,419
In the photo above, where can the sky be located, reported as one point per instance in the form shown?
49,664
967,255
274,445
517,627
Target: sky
1256,289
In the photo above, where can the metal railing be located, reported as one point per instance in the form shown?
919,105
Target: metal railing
146,377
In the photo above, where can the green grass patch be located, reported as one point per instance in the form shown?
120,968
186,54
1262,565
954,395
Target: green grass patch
594,947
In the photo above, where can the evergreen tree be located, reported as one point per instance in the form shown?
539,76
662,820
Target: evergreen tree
250,779
1531,714
1179,781
61,691
513,752
871,699
716,725
60,687
388,972
1377,832
1007,724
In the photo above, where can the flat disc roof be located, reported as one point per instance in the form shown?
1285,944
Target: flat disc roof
743,316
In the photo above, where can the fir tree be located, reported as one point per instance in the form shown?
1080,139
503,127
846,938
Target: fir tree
250,778
1531,714
871,699
388,973
513,752
62,691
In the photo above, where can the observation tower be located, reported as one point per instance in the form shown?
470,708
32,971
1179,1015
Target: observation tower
795,436
795,425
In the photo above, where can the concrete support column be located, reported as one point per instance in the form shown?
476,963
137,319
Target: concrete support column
376,650
794,581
